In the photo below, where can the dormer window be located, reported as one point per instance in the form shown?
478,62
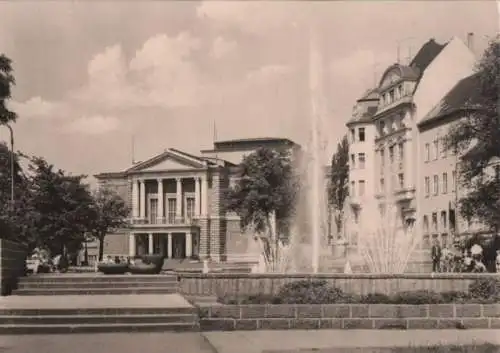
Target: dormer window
400,90
381,126
391,96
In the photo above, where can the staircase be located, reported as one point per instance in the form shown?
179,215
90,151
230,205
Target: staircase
93,303
94,284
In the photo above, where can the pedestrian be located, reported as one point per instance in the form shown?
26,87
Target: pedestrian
436,256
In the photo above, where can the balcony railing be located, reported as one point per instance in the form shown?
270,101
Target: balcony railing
168,221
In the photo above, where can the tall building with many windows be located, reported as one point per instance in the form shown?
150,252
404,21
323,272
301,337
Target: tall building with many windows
391,160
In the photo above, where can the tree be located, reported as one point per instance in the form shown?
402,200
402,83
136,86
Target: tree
475,138
264,197
6,82
338,188
109,212
57,210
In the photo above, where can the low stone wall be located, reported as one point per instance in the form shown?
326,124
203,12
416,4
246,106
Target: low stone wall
232,284
12,264
349,316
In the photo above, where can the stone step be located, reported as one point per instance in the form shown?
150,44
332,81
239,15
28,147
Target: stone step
98,311
92,285
97,328
78,278
95,291
96,319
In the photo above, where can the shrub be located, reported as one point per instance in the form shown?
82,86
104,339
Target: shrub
454,297
376,298
485,288
310,292
417,297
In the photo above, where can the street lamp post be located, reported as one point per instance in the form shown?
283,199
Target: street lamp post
12,173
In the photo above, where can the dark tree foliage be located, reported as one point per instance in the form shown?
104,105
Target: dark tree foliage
338,187
476,138
6,82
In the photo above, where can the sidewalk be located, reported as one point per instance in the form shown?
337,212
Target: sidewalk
310,341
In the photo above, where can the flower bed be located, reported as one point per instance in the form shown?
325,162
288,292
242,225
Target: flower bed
316,305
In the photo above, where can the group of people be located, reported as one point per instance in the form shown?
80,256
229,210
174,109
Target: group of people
460,260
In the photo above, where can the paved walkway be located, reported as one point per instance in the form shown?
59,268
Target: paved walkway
107,343
94,301
325,341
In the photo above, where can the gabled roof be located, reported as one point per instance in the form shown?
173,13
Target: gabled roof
464,95
427,53
184,158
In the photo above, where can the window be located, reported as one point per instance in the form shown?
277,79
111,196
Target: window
171,210
401,179
444,151
382,157
361,188
381,126
361,160
391,96
353,136
453,180
153,210
436,149
445,183
382,185
434,222
497,172
436,184
361,134
353,161
427,153
426,224
353,188
391,154
400,91
427,186
401,152
190,208
443,220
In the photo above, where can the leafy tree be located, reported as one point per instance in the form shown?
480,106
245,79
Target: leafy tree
6,82
58,208
475,138
264,197
109,212
338,188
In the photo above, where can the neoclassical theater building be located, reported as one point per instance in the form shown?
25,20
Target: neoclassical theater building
177,203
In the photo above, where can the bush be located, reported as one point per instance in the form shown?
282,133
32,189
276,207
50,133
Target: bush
417,297
310,292
375,298
485,288
455,297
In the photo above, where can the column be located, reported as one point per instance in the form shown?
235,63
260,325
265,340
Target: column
178,207
160,201
131,244
150,243
189,245
135,199
143,199
169,245
196,196
204,196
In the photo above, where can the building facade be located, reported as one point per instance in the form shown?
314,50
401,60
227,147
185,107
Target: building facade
391,157
177,203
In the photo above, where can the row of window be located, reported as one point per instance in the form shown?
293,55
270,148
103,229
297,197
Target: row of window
361,161
398,183
433,154
360,190
446,221
170,209
436,184
392,95
401,154
361,135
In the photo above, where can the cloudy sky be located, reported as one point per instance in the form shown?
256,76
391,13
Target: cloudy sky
90,75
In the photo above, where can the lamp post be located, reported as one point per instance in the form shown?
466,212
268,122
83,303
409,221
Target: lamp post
12,173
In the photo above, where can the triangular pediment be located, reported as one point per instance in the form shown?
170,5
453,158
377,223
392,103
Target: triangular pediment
169,160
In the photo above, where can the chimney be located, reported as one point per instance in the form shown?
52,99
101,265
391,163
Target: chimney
470,41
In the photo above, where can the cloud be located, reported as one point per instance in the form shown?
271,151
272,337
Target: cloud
37,107
269,72
222,47
93,125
